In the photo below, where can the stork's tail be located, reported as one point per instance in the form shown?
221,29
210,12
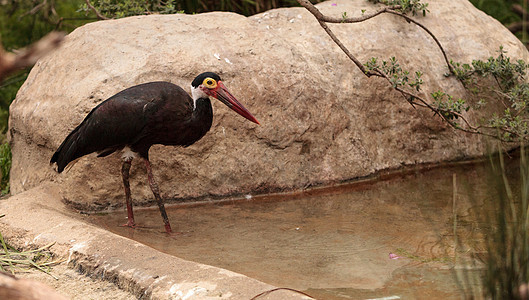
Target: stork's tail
67,151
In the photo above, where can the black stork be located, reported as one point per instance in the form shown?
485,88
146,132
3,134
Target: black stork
144,115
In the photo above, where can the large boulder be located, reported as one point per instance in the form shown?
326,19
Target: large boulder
322,120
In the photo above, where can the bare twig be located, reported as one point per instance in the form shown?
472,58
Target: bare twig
47,11
427,31
10,62
344,49
388,9
98,14
35,9
321,17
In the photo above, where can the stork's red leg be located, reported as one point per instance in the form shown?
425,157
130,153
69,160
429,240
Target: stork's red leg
125,169
156,192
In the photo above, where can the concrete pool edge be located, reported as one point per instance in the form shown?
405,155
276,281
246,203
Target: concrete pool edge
38,217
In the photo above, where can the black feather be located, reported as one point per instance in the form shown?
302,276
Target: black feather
138,117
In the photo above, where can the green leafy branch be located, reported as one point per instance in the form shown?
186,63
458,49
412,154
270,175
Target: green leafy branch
511,90
450,108
445,106
509,76
506,73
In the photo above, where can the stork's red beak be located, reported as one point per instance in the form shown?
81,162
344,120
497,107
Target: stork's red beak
222,93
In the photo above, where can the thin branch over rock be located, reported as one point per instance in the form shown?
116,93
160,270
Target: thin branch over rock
388,9
448,112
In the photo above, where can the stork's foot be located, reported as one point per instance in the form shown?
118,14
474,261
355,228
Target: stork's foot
172,234
130,224
168,228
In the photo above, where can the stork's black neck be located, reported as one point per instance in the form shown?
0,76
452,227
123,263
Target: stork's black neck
202,118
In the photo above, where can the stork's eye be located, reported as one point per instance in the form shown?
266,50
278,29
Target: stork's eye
210,83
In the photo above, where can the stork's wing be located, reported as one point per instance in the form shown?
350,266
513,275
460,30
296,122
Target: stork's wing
118,121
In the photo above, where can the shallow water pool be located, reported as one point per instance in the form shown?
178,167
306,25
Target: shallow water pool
390,236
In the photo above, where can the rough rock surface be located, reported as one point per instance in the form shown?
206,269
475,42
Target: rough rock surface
322,120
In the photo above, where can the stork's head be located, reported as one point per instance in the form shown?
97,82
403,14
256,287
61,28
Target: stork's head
209,84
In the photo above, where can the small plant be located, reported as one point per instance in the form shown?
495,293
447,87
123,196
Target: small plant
344,15
406,6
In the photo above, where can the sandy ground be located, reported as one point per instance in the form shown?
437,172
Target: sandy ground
76,286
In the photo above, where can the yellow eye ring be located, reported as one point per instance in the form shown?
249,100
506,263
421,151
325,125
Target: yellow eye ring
210,83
